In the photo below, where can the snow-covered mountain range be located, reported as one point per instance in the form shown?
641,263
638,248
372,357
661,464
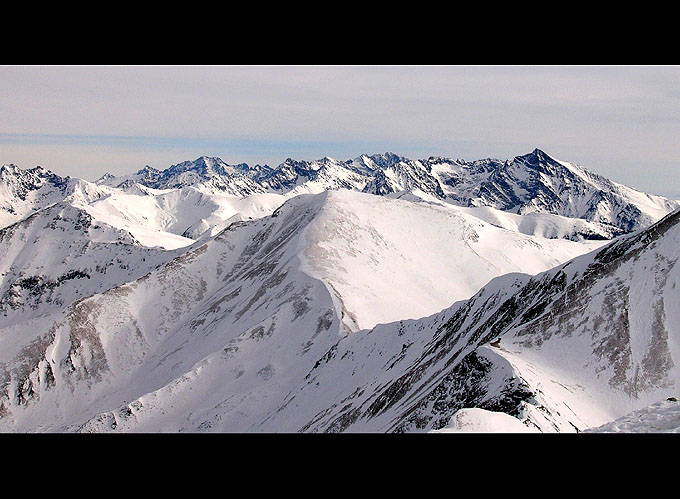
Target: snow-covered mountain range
533,183
375,294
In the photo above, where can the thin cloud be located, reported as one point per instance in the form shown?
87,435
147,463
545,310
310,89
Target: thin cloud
611,119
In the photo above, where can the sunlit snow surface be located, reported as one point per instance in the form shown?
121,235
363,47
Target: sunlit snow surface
482,421
388,259
662,417
246,303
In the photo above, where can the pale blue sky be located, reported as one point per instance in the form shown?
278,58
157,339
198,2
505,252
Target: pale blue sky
622,122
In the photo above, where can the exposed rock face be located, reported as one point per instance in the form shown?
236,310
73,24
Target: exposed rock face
59,255
24,191
595,330
535,182
261,303
285,320
210,174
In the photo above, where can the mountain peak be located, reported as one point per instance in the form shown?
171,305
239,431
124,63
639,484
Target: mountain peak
11,167
539,154
384,160
105,177
536,157
29,175
208,160
390,156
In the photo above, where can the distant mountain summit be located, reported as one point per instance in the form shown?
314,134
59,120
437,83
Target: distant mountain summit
206,173
535,183
532,183
217,297
25,191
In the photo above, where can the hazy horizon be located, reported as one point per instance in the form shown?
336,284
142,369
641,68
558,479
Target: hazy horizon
84,121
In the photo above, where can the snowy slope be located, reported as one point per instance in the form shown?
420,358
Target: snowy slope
226,303
61,254
580,345
24,191
387,259
170,218
126,303
258,305
546,225
661,417
176,217
477,420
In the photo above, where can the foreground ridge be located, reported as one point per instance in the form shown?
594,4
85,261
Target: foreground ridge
377,294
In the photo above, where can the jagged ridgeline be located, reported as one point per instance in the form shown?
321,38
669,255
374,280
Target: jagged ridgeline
374,294
532,183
